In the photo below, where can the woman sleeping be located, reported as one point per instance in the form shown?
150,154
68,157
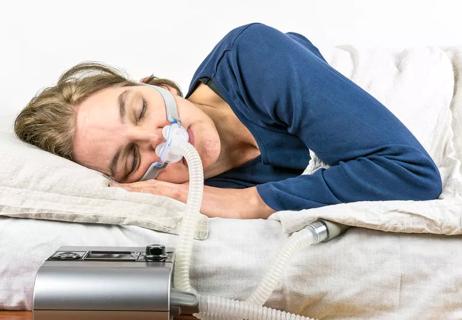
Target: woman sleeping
257,104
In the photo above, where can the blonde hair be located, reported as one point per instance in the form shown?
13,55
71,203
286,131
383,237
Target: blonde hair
48,120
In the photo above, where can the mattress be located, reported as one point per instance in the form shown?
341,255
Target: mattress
363,274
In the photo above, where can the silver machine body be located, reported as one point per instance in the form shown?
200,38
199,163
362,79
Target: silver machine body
114,283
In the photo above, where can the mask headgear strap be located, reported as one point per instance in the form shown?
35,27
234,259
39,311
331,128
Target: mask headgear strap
170,104
172,117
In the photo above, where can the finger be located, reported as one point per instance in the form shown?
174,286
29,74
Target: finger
131,189
149,182
121,185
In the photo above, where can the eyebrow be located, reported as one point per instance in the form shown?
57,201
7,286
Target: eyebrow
121,103
122,100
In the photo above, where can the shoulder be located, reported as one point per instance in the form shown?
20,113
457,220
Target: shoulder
240,43
227,43
252,33
233,35
257,39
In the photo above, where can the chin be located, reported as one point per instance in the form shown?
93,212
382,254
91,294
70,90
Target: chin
174,173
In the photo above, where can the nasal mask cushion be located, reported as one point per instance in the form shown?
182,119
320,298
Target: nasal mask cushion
173,133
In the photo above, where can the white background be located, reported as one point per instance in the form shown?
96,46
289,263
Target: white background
42,39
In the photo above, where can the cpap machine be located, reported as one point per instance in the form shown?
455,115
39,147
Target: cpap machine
152,282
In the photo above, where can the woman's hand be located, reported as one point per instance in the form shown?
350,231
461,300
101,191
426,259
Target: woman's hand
161,188
217,202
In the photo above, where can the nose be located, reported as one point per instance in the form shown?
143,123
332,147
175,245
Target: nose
154,138
148,139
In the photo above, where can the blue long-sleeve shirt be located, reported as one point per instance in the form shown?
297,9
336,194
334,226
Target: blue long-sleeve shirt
287,95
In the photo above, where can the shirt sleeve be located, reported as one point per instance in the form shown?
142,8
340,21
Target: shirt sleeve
372,155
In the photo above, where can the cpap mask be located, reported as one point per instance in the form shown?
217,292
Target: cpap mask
173,133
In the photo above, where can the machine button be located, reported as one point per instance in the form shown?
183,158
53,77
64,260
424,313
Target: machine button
155,252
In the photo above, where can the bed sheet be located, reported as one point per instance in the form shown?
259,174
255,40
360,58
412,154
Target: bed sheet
363,274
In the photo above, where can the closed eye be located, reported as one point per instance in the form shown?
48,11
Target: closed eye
136,156
134,161
143,109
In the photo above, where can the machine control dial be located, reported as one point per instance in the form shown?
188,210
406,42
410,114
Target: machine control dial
155,252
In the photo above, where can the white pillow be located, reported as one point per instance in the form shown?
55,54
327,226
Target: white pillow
37,184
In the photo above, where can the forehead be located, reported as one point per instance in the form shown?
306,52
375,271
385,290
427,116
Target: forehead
98,110
104,98
96,126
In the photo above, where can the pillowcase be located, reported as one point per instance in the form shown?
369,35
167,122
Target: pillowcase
37,184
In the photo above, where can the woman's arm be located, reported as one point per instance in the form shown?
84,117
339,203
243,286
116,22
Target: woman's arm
285,83
217,202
